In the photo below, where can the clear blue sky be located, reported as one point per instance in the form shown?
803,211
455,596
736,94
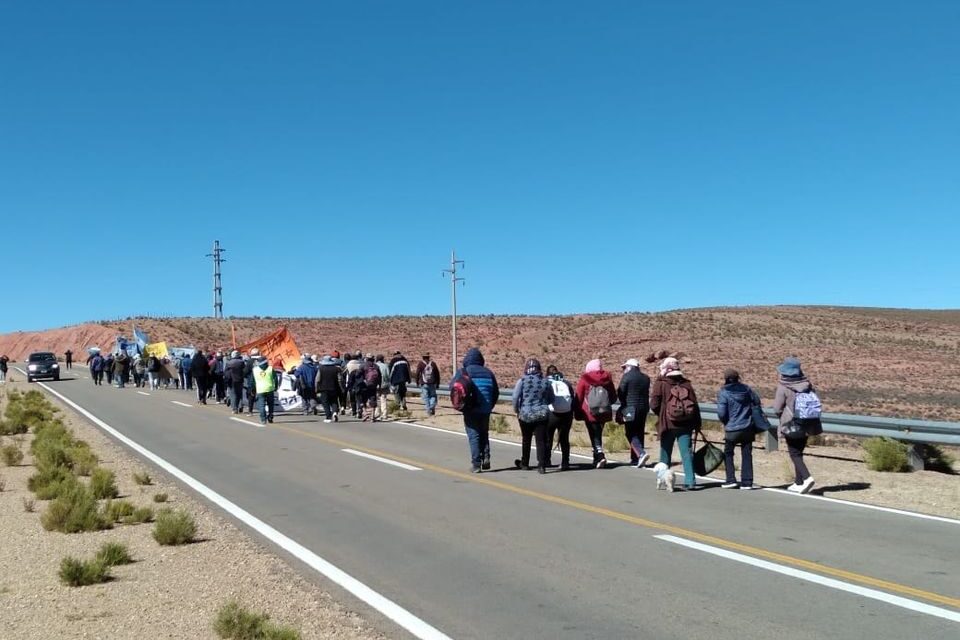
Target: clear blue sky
580,156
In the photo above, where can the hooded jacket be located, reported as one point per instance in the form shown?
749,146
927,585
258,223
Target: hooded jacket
328,376
735,406
532,396
787,391
234,371
594,378
307,376
484,380
399,371
658,405
199,367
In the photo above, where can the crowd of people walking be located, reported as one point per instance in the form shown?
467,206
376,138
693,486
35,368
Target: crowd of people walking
545,402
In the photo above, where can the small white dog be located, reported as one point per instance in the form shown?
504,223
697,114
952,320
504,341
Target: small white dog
665,477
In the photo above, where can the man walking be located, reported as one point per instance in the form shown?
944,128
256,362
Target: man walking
306,375
200,372
400,378
233,373
634,396
328,388
428,376
68,356
266,384
383,393
476,418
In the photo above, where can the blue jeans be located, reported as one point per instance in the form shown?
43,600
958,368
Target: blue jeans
686,453
265,400
429,393
478,433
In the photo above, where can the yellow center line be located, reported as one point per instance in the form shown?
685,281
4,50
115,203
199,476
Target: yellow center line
643,522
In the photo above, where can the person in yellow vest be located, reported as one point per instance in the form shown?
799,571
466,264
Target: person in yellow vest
266,384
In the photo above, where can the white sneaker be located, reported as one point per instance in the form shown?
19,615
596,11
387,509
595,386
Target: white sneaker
750,487
729,485
642,460
794,488
327,421
807,485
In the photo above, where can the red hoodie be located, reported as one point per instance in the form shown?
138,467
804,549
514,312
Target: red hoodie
594,379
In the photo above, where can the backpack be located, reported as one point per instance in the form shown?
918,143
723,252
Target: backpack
807,406
681,404
430,374
370,375
598,401
463,392
562,402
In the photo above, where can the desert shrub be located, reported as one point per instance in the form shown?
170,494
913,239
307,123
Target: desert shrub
12,456
159,497
74,511
142,479
884,454
28,504
614,438
236,622
103,484
499,424
140,515
8,428
82,459
113,554
51,482
26,411
174,527
52,452
117,510
80,573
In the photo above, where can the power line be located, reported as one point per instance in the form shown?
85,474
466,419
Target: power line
217,286
452,272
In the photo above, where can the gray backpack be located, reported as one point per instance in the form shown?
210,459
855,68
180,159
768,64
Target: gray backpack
598,401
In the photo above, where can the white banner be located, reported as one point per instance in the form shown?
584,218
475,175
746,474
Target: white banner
286,399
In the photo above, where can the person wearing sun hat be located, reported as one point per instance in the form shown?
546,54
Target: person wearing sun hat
633,392
793,381
672,391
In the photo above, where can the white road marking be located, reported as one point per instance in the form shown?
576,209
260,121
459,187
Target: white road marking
143,393
417,627
394,463
873,594
252,424
182,404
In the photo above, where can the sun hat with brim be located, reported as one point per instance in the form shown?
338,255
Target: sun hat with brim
790,367
632,362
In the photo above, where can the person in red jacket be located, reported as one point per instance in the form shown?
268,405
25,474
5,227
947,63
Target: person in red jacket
595,394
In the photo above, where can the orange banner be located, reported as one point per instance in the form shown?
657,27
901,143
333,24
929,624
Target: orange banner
278,344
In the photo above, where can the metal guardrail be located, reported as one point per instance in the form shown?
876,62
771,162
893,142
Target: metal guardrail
913,431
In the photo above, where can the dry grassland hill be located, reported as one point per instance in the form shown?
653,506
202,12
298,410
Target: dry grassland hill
873,361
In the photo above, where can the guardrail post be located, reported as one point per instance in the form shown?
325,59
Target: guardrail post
915,458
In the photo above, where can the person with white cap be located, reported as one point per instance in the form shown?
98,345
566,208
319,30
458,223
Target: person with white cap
675,402
633,392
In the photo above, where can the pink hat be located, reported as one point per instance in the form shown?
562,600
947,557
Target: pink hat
670,367
593,366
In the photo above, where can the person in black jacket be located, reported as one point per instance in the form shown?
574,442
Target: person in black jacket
329,388
634,396
233,376
200,371
400,378
249,384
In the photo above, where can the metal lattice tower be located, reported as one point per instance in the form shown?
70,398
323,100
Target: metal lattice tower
218,259
452,272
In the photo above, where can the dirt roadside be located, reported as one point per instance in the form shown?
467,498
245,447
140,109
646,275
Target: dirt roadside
839,469
169,592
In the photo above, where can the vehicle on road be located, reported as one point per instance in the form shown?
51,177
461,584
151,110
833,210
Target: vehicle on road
42,364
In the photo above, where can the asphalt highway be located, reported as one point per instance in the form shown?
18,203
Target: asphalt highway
580,554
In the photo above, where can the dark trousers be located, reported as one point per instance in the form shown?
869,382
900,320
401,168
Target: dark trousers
202,390
97,377
795,447
251,398
137,379
236,403
477,427
401,395
633,430
744,440
109,374
595,431
69,363
560,424
188,380
219,388
329,400
528,431
266,406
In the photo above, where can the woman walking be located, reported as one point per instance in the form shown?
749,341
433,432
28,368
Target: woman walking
735,403
675,402
532,396
561,416
595,393
795,429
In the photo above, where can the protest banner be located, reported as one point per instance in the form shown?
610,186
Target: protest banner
158,349
274,345
180,352
286,399
140,338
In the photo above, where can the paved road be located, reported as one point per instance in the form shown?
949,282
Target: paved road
513,554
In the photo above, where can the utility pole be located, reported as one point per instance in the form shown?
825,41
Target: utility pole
452,272
217,287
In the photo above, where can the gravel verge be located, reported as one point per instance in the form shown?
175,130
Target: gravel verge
168,592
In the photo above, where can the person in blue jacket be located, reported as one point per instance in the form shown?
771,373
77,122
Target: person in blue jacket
735,402
476,419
